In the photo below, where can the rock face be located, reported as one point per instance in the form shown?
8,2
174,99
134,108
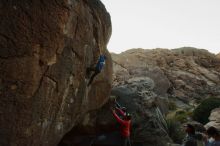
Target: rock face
214,119
45,48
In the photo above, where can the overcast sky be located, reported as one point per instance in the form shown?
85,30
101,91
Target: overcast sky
171,24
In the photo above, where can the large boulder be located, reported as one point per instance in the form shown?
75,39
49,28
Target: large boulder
141,101
214,119
45,48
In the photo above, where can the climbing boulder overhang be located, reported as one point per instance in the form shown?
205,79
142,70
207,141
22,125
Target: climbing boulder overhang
45,48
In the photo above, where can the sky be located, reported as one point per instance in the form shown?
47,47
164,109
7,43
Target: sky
169,24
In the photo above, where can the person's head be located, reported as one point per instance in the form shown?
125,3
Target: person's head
190,129
212,132
127,116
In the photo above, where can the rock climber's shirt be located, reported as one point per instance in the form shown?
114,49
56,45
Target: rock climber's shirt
101,63
125,125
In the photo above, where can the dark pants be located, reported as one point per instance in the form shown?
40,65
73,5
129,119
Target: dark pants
93,75
125,141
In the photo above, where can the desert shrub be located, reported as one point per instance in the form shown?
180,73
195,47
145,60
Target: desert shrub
202,112
189,113
175,131
172,105
170,126
181,116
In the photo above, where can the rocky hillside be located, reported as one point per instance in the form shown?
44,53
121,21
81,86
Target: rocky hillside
185,74
45,48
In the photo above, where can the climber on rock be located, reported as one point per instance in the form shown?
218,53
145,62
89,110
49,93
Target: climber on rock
97,69
125,126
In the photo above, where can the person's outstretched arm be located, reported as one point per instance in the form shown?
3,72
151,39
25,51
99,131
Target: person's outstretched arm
120,111
117,104
117,117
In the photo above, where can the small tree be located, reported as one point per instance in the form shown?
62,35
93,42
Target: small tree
174,130
202,112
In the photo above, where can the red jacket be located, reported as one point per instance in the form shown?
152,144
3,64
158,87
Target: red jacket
125,125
